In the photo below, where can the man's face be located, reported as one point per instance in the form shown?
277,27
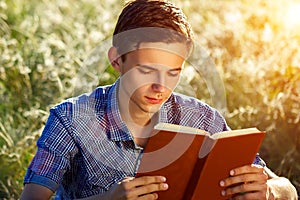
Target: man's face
148,76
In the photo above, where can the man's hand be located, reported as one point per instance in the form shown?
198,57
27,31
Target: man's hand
138,188
247,182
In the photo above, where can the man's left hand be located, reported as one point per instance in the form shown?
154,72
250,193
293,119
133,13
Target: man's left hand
247,182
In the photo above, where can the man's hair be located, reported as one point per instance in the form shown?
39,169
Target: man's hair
151,21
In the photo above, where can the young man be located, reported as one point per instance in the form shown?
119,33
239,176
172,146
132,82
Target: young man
91,145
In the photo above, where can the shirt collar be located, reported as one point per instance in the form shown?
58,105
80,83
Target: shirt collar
118,130
169,112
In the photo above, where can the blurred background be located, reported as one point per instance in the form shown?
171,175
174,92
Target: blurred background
51,50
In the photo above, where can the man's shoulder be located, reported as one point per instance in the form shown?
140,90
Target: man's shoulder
190,103
190,111
85,103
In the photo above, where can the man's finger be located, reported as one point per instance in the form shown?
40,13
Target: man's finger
129,183
247,169
149,189
244,178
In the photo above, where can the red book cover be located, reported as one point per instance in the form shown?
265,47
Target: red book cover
194,162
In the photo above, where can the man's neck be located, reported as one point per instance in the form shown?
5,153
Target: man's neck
139,122
140,129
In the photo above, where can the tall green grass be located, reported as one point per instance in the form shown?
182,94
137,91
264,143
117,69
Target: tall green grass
44,44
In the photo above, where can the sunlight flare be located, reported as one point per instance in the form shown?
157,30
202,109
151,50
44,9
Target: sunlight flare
292,17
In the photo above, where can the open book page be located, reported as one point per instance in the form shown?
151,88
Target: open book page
179,129
237,132
186,129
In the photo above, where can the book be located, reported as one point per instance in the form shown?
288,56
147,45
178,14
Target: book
194,161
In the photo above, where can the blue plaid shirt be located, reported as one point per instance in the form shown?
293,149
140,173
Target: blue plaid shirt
85,147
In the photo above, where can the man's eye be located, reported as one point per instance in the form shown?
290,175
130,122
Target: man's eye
174,73
145,71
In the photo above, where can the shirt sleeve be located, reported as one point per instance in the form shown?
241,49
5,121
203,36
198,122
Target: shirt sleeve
55,150
259,161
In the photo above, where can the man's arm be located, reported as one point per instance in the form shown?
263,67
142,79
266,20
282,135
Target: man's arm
130,188
36,192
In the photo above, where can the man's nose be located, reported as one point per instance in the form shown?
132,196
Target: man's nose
158,87
159,84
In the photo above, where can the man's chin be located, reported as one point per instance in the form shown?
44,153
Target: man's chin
153,109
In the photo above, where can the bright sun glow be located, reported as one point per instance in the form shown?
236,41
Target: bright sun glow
292,17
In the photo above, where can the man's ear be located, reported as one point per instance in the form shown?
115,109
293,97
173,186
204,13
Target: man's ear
113,57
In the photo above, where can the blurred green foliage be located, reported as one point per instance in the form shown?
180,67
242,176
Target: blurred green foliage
51,50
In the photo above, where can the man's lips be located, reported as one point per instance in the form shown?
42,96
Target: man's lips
153,100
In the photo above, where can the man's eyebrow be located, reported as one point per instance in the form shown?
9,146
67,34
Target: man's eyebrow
177,69
146,66
154,68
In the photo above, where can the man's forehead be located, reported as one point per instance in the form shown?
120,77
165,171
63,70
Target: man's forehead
177,48
155,55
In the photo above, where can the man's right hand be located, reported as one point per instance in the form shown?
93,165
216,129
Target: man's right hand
141,188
